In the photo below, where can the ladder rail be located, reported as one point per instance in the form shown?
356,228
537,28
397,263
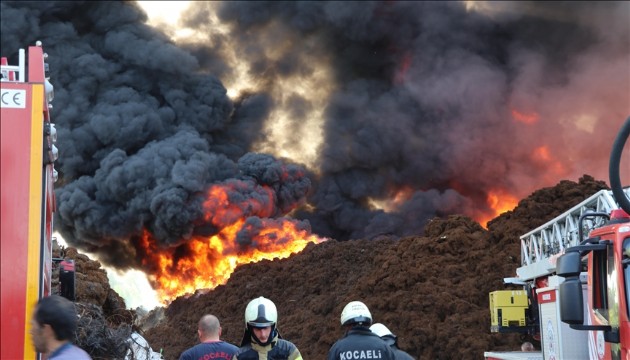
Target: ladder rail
560,233
9,71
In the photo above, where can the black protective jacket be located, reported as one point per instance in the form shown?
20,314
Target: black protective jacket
360,343
393,343
401,355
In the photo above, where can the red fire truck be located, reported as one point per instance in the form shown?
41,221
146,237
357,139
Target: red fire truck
604,258
576,267
28,198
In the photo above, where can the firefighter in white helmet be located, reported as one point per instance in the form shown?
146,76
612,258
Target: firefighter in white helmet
261,339
391,339
359,342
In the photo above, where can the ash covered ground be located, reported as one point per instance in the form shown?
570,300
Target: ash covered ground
431,290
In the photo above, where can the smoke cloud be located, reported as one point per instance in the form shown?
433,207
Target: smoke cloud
425,109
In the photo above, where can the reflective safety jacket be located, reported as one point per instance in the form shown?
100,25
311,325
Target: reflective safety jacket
279,349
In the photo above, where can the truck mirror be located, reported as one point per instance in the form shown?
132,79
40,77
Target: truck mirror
569,264
571,301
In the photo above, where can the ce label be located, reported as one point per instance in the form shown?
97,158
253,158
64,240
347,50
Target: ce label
13,99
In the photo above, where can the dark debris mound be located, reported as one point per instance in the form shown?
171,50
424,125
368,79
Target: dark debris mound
431,290
105,324
98,336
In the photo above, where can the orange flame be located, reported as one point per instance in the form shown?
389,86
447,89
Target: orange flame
395,200
403,194
542,153
528,119
500,202
543,156
207,262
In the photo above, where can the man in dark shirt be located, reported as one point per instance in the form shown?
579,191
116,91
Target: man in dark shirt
211,347
53,327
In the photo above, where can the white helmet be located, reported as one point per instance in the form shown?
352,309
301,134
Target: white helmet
261,312
380,330
384,333
355,313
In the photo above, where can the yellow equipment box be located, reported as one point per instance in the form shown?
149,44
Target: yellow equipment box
507,309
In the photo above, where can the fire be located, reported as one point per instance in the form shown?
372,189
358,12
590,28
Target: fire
500,202
395,200
528,119
205,262
543,156
542,153
221,211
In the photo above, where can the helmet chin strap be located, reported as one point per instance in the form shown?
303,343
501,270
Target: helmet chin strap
272,335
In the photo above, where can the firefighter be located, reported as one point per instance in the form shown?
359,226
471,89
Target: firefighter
359,342
261,339
391,339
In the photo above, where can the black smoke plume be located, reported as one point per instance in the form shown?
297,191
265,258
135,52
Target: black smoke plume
424,101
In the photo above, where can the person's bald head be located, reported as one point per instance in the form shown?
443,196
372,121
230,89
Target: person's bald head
209,328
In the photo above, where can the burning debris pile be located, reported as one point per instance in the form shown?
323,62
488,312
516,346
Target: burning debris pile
431,290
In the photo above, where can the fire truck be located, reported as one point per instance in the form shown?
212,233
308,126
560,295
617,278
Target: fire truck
27,194
575,278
